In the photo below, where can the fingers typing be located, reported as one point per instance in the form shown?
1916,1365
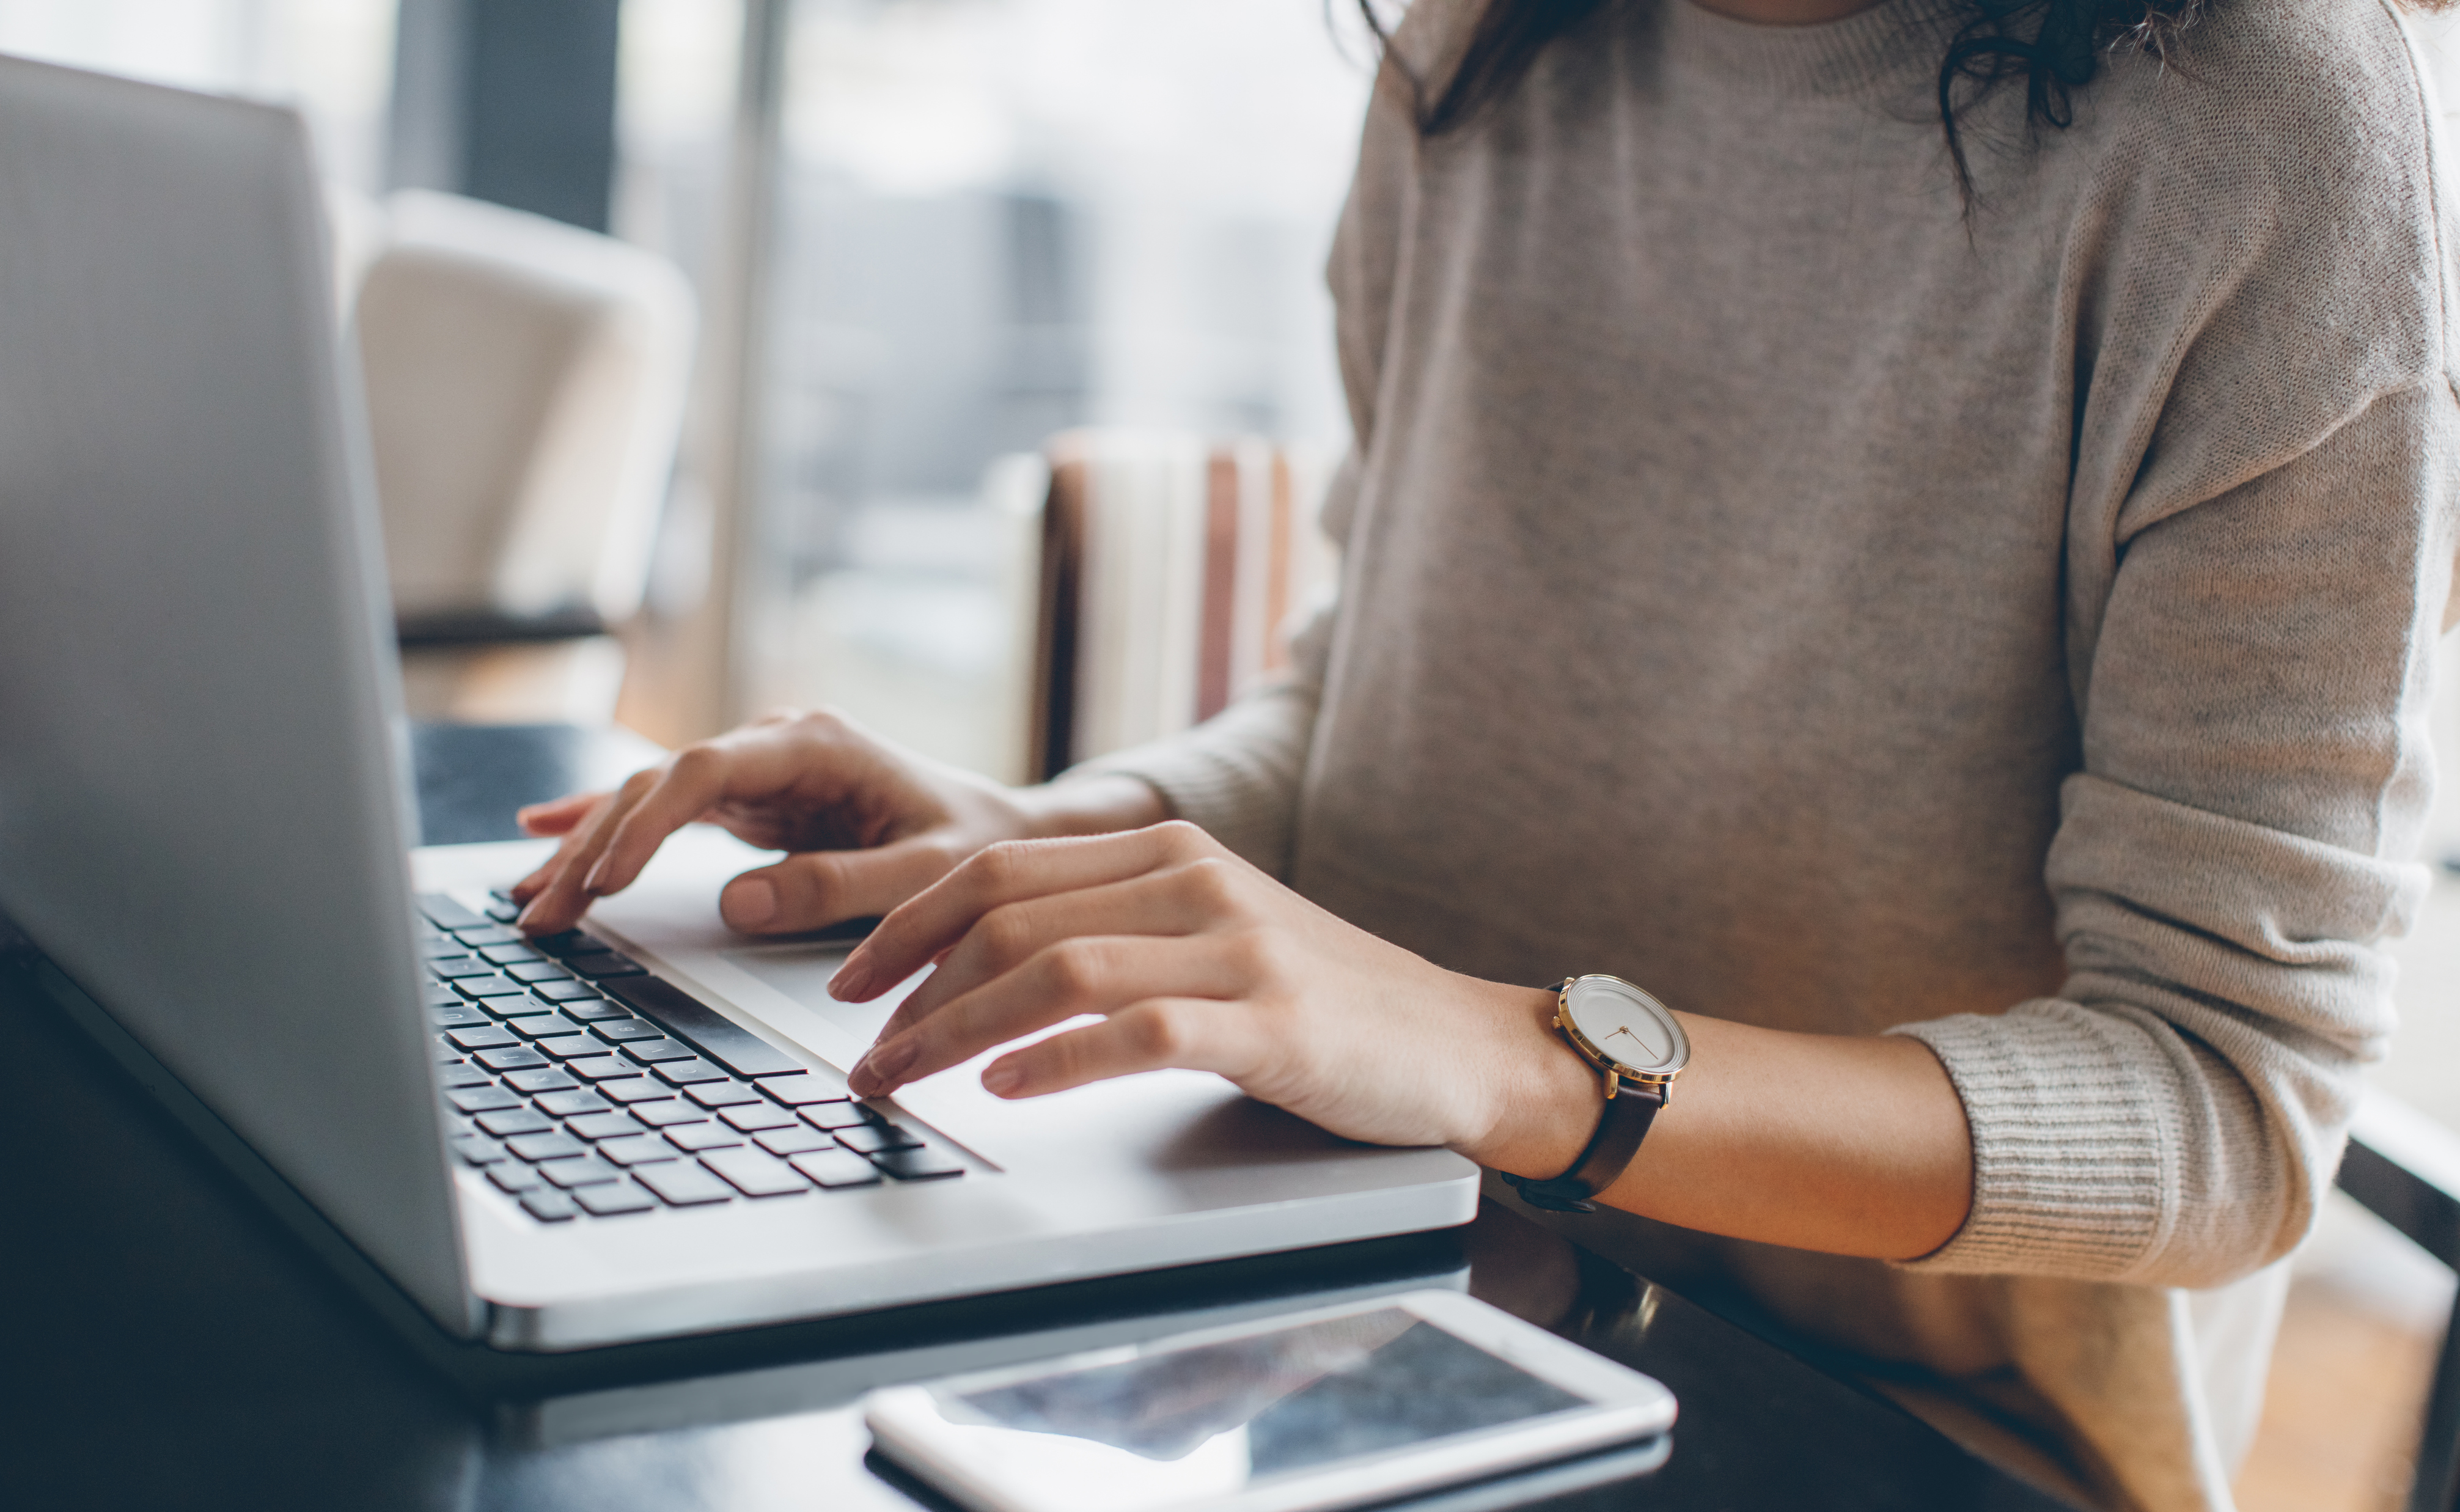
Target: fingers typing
944,913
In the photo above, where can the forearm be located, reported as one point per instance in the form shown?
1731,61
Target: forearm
1847,1145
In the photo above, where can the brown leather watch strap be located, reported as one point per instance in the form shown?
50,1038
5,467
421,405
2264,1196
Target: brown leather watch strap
1621,1127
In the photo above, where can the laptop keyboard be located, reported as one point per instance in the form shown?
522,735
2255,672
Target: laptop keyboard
585,1087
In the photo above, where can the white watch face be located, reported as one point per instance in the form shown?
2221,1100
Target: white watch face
1626,1025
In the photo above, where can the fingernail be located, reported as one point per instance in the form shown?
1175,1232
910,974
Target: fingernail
847,985
886,1064
597,874
1001,1079
747,903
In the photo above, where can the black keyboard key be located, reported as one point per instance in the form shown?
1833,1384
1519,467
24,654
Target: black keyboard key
566,991
545,1078
587,1009
796,1140
698,1137
542,1026
601,1067
839,1116
441,948
650,1051
598,965
571,942
625,1030
456,1017
633,1089
685,1071
435,994
638,1149
720,1039
835,1168
445,914
753,1118
536,973
612,1202
481,1099
512,1057
572,1104
501,910
570,1047
510,955
553,1145
487,934
509,1007
453,967
721,1094
754,1174
515,1179
513,1122
462,1075
491,986
476,1149
600,1126
681,1183
569,1173
874,1139
668,1112
485,1036
805,1091
916,1165
549,1208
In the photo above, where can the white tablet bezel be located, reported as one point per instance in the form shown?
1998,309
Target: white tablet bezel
1620,1404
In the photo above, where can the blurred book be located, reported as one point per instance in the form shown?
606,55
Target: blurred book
1173,571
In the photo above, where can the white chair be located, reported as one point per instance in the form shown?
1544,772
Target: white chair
526,385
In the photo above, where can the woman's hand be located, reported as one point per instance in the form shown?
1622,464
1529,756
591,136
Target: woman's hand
1195,959
870,825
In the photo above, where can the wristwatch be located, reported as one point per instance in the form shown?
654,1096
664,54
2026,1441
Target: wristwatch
1639,1048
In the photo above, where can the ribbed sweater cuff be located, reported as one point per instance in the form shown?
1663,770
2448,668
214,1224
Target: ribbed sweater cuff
2072,1148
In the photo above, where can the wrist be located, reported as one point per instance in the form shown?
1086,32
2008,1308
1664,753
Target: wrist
1101,803
1544,1099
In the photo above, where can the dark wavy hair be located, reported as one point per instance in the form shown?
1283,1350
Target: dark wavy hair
2052,47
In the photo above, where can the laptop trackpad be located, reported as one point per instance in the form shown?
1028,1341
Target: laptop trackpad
802,972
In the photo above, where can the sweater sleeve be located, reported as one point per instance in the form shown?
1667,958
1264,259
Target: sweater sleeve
2228,859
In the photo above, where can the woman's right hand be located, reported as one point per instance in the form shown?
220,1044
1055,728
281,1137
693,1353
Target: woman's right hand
867,825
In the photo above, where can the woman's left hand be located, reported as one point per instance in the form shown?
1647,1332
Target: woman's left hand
1194,958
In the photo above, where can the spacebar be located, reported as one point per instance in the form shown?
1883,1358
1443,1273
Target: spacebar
721,1039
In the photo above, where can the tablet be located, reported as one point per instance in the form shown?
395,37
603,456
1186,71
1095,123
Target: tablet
1332,1408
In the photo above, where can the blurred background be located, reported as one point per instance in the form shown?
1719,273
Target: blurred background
965,364
918,236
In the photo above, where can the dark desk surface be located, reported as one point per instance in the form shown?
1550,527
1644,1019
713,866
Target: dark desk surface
167,1345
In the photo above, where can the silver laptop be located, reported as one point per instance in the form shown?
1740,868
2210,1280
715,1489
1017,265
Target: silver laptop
202,827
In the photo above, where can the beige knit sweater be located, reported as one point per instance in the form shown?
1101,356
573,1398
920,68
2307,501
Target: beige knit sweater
1764,585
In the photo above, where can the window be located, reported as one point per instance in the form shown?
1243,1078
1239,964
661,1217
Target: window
994,220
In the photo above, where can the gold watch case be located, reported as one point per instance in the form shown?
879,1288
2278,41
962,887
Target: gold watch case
1623,1030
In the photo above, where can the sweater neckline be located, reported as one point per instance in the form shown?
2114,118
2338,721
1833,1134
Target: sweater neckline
1878,48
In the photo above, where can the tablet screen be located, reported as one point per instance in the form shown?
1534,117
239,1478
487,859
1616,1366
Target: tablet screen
1277,1402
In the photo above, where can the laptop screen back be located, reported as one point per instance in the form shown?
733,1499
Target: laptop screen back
199,813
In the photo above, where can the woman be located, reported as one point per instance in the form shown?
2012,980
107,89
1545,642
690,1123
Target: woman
1950,615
